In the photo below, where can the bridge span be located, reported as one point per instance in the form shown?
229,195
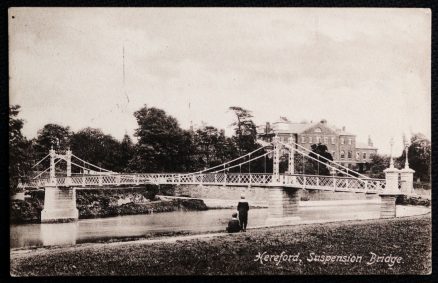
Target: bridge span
309,182
284,188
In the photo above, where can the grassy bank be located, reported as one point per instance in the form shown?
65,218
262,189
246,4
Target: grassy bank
405,238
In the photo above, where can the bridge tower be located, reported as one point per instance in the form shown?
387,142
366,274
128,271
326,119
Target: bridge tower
276,161
291,161
59,203
68,160
52,176
283,201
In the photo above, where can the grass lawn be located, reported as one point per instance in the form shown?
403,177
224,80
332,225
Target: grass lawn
407,240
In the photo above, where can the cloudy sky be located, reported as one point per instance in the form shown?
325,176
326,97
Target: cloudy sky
366,69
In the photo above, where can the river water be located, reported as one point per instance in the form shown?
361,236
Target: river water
89,230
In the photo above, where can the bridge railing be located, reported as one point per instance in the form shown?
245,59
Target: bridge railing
207,178
335,183
319,182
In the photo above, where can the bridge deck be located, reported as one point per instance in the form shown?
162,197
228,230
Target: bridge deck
312,182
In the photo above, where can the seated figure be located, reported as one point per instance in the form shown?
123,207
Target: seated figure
233,224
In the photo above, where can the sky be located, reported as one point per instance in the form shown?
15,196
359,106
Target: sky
366,69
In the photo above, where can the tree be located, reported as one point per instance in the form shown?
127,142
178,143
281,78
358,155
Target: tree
19,151
245,130
51,135
212,147
126,153
377,165
162,145
319,150
303,165
102,150
419,157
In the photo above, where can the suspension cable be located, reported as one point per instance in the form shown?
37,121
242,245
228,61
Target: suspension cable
249,165
260,156
41,160
91,164
56,162
350,175
304,165
86,168
217,166
318,164
331,161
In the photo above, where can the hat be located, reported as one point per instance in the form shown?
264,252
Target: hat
234,214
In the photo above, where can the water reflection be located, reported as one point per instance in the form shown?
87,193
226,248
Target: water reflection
26,235
59,233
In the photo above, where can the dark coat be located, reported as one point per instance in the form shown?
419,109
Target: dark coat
243,207
233,226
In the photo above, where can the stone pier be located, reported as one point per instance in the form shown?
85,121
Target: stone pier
59,205
283,205
387,206
389,195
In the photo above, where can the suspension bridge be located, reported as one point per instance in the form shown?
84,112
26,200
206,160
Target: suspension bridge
342,178
60,196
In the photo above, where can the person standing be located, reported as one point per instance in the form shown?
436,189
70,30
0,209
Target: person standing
243,208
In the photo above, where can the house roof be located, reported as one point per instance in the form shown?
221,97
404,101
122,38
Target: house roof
284,126
362,145
291,128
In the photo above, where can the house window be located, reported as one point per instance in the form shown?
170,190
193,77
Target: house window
357,155
318,130
310,139
318,139
364,155
326,140
349,141
303,139
350,155
333,140
342,154
342,140
334,154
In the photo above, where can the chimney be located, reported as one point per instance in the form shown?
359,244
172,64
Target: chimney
343,128
267,128
370,142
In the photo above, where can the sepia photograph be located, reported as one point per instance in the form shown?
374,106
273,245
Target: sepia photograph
219,141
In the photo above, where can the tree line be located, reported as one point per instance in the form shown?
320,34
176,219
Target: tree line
163,146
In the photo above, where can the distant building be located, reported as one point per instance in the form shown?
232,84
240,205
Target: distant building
341,144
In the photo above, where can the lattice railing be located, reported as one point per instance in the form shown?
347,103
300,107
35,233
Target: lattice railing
335,183
317,182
